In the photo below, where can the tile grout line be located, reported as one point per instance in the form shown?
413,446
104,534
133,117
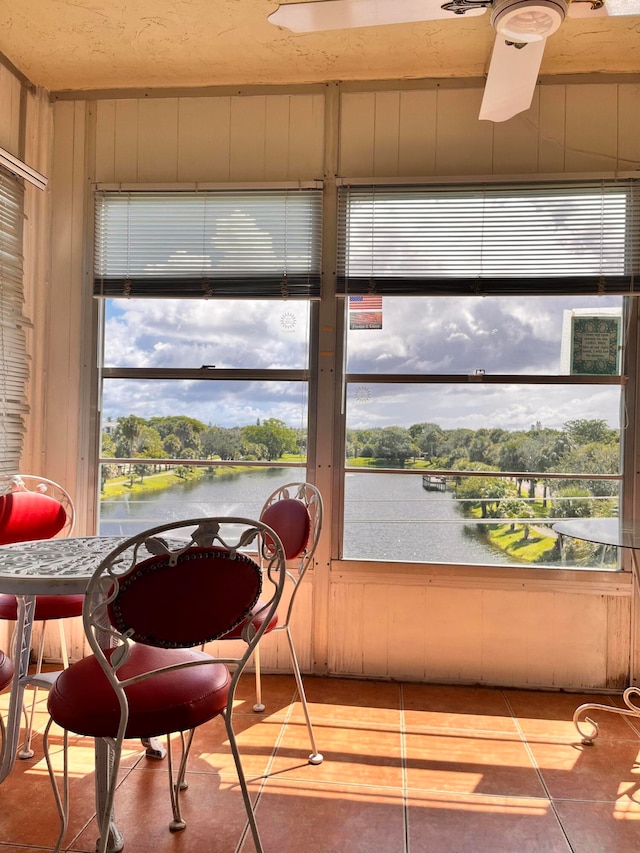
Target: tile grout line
534,764
264,777
405,782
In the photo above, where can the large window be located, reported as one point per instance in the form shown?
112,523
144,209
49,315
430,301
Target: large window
486,334
207,308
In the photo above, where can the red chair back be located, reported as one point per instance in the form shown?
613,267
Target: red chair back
290,520
184,602
29,515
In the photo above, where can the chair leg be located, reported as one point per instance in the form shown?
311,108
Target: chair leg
243,784
26,751
315,757
62,802
259,705
180,784
63,644
107,755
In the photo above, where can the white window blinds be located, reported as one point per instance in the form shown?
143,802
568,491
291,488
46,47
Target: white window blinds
13,351
226,244
571,238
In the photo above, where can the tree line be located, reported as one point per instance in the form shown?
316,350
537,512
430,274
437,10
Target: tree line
182,437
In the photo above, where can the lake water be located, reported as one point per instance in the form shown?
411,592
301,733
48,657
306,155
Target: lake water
386,516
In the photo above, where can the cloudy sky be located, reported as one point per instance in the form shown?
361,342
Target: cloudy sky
442,336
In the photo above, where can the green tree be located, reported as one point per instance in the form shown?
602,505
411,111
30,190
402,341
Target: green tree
395,443
485,493
127,431
428,437
222,441
582,431
274,435
148,443
172,445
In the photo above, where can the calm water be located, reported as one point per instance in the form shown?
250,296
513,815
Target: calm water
386,516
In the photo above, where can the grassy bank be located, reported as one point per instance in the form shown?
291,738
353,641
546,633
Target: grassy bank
120,486
530,550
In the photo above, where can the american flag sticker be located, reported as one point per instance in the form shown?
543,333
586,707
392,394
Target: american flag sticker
365,312
367,302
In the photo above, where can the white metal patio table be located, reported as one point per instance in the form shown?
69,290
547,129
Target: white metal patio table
50,567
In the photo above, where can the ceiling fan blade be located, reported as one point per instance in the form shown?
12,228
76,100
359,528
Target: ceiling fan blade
610,8
345,14
512,78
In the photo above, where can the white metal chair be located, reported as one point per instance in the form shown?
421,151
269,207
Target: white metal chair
145,678
295,512
37,508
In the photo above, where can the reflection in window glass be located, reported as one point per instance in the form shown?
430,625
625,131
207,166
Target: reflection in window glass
156,333
241,422
126,509
478,421
462,335
473,520
229,405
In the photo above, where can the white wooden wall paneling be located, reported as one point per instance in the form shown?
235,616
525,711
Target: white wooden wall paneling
629,126
63,368
524,638
573,128
551,130
255,138
204,139
10,95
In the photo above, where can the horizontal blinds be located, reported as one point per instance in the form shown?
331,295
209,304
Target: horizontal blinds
14,371
571,238
245,243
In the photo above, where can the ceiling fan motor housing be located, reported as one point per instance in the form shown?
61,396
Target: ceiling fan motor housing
523,21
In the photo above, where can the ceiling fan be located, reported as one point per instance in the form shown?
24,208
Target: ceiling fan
522,28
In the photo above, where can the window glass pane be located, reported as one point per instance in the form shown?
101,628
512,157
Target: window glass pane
230,420
476,521
154,333
476,421
505,335
174,420
128,507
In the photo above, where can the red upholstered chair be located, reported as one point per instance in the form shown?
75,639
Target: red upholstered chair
153,680
295,512
36,508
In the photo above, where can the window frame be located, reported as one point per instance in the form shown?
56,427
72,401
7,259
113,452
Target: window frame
208,373
626,379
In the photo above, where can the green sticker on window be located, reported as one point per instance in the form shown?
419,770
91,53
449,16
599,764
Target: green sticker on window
595,345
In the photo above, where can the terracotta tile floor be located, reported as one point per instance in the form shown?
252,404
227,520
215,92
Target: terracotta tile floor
408,768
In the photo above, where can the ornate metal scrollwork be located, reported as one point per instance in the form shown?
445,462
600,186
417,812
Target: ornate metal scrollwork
459,7
595,4
589,734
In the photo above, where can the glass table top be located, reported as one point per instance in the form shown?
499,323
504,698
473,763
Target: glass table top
604,531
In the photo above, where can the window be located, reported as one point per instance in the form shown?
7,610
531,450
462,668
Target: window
486,333
14,372
207,306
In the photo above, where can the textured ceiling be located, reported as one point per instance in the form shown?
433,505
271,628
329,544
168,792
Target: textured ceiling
98,44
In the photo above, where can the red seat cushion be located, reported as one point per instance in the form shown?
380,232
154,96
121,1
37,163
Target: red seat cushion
290,520
29,515
6,670
47,607
82,700
236,633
